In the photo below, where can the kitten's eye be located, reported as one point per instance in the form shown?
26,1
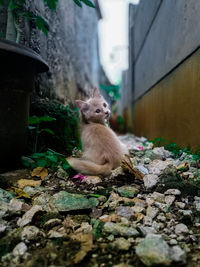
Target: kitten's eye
98,111
104,104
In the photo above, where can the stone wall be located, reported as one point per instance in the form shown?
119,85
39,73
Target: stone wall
70,48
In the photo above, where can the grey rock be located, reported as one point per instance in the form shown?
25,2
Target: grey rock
161,218
128,191
153,250
151,155
173,242
124,211
5,196
197,203
169,199
157,166
29,215
160,151
186,213
31,233
163,207
178,255
120,230
180,205
152,212
34,190
16,204
145,230
52,234
150,180
181,229
148,221
20,249
175,192
121,244
147,160
158,197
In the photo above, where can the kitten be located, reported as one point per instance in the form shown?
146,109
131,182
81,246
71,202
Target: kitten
102,150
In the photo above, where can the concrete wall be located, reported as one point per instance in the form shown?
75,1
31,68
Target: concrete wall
70,49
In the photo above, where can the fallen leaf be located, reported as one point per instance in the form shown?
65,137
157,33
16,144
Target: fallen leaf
26,182
41,172
19,192
127,165
140,217
183,167
86,241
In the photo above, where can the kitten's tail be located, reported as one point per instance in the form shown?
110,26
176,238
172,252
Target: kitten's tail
88,167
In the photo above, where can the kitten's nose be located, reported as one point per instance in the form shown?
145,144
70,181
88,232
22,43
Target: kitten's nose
107,113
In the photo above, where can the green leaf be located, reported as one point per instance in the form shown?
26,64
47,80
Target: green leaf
28,162
42,163
2,2
2,35
37,120
29,15
66,165
42,24
31,128
95,195
78,3
52,158
88,3
51,4
48,131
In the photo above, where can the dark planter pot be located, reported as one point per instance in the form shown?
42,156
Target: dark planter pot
18,68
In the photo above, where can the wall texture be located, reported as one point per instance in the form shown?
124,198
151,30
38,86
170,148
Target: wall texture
172,35
164,61
70,49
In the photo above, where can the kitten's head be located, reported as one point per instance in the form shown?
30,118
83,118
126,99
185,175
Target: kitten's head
95,109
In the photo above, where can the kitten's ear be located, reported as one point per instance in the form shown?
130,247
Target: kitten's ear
83,106
96,93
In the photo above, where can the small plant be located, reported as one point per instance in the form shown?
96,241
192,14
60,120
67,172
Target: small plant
157,141
49,159
36,131
112,90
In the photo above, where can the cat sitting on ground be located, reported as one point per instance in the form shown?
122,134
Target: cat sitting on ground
102,150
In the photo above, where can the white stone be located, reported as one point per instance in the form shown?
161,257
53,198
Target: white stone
181,229
175,192
169,199
150,180
20,249
31,233
28,216
177,254
152,212
157,166
173,242
180,205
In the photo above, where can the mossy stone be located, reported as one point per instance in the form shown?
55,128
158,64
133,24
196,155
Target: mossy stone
127,191
64,201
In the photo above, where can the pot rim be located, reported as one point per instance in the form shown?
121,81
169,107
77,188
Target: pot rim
41,65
